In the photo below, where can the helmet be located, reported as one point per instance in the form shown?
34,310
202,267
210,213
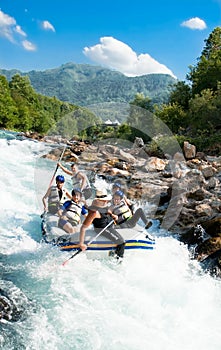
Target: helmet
60,178
119,193
76,190
116,185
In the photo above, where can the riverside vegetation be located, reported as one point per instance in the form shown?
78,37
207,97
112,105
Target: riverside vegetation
192,111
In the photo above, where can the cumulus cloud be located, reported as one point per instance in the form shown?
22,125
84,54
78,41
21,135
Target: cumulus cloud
11,31
194,23
47,26
119,56
28,45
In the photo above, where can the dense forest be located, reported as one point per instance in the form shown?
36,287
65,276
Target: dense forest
192,111
22,109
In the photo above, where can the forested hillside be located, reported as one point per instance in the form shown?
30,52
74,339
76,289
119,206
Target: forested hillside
23,109
84,85
192,110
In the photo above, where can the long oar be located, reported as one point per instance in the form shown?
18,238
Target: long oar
52,179
93,239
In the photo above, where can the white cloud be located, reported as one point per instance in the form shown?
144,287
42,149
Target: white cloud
8,27
10,30
194,23
28,45
117,55
20,31
6,20
48,26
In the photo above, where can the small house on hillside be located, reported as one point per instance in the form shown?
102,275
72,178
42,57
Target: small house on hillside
110,123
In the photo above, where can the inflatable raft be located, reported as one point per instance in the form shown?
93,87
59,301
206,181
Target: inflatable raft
136,238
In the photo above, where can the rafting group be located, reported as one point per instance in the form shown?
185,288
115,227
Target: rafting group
108,213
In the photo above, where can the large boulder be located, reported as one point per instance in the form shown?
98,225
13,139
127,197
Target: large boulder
189,150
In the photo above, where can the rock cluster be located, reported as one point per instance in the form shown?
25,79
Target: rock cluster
184,190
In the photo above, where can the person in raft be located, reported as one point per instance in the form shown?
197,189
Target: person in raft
55,196
99,217
71,211
123,215
79,179
118,187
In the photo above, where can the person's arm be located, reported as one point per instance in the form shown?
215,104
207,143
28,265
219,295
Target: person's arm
130,204
68,194
127,201
65,170
87,222
84,211
60,212
111,213
84,180
44,199
82,235
64,206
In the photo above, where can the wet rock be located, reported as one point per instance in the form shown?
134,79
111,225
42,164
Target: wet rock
212,226
208,247
194,236
212,264
13,303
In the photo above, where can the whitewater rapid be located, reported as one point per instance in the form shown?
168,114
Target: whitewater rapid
155,300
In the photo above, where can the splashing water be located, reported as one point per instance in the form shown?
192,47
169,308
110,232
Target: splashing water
155,300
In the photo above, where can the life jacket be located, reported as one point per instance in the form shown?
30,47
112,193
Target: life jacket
105,218
73,213
55,199
123,212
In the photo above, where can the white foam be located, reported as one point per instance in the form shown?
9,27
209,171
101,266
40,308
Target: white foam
156,300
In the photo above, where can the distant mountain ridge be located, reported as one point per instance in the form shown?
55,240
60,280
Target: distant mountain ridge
84,84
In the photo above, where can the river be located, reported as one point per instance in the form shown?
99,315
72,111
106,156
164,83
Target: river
155,300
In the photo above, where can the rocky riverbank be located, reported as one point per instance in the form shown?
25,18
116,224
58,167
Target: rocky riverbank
184,191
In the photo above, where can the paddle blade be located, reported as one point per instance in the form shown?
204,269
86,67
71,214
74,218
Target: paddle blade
76,253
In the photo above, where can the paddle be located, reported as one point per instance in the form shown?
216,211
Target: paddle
52,179
93,239
147,235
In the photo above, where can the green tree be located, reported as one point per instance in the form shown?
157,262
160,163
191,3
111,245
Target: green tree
8,110
26,101
174,116
181,95
141,101
21,86
205,112
207,73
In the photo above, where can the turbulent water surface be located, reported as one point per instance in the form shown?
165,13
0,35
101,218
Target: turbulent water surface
155,300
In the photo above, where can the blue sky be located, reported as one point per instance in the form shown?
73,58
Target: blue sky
133,37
